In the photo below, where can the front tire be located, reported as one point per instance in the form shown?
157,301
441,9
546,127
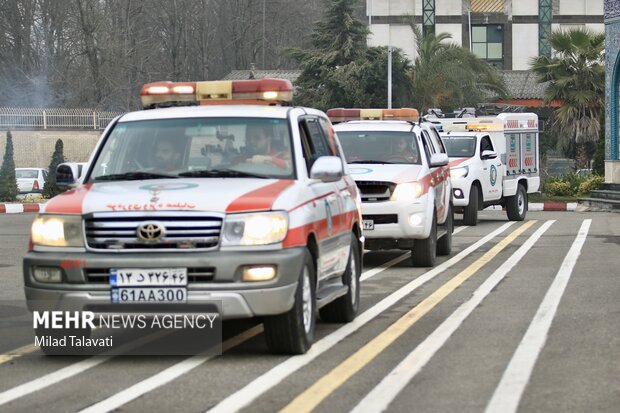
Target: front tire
293,331
470,213
516,206
344,309
424,253
444,244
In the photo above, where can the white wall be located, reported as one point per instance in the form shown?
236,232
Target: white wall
448,7
524,45
596,27
400,36
392,7
525,7
580,7
454,29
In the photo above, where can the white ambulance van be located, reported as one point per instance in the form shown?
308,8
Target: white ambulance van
401,169
493,161
248,202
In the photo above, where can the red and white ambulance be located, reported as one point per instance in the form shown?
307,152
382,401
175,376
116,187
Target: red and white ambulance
401,168
494,160
270,230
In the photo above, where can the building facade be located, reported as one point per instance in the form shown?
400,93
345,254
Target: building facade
506,33
612,90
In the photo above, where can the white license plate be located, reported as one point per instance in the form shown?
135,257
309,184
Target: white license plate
148,295
368,224
148,277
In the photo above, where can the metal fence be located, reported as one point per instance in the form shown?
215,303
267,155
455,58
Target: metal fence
54,118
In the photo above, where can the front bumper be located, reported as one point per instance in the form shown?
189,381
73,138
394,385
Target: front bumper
233,297
411,219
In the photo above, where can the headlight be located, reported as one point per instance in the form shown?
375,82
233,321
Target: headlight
409,191
57,231
460,172
260,228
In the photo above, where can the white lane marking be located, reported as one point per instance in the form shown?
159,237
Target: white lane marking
167,375
147,385
71,370
371,273
273,377
392,384
508,393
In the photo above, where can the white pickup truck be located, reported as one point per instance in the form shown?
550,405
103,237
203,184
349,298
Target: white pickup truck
493,161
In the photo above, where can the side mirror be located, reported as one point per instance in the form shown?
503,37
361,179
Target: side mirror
327,169
439,159
67,175
488,155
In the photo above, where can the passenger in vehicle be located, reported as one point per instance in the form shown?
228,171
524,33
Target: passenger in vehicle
401,150
260,149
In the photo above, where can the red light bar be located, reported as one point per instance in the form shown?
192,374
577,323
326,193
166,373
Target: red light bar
223,92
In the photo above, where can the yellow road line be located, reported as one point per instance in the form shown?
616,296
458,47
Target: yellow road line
326,385
18,352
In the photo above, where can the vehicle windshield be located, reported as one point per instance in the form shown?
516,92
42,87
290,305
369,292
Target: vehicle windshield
195,147
460,146
380,147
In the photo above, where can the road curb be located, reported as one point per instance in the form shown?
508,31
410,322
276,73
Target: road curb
543,206
19,208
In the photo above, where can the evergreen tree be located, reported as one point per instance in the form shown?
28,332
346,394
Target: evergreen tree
341,70
51,189
8,183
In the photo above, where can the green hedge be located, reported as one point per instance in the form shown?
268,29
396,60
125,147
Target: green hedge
571,184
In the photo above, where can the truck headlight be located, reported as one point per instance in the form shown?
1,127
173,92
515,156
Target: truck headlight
57,231
259,228
408,191
460,172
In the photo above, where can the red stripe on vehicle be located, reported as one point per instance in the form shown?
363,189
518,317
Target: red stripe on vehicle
69,202
310,201
298,236
260,199
457,162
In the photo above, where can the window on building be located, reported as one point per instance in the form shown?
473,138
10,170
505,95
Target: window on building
487,43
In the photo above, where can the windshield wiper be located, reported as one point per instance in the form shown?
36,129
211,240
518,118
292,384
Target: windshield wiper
222,173
134,176
367,161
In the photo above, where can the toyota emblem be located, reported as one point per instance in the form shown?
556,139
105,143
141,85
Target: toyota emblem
150,231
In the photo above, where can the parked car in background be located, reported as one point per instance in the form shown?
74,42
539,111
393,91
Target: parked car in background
30,179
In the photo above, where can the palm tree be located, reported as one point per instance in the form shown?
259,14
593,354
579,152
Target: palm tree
446,75
576,77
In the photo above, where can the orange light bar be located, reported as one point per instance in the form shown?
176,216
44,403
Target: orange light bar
337,115
484,125
223,92
156,93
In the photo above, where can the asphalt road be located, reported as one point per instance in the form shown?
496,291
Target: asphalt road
521,317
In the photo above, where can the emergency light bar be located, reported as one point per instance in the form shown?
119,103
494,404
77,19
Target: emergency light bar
337,115
223,92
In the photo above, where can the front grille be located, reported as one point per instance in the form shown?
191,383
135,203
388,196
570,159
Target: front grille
194,275
375,191
180,231
382,219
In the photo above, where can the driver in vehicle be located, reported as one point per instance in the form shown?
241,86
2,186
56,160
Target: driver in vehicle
259,150
168,156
